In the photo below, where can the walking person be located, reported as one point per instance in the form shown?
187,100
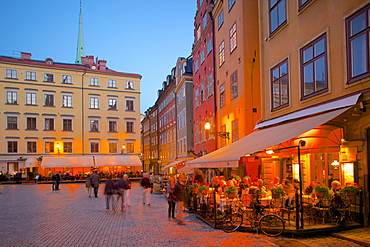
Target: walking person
170,189
95,182
88,185
147,188
122,186
180,198
127,191
58,177
109,190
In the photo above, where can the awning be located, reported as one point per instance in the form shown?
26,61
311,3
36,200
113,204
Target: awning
259,140
31,162
172,164
341,103
88,160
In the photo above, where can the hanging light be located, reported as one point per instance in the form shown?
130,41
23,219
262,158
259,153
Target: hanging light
335,164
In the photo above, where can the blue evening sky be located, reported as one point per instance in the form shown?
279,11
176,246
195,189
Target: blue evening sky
134,36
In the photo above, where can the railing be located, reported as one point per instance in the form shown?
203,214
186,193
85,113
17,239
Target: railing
315,212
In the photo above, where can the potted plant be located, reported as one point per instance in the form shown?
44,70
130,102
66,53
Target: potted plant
321,191
277,192
203,190
350,190
194,187
231,192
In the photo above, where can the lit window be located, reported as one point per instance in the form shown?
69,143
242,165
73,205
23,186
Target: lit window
67,147
94,147
221,53
49,147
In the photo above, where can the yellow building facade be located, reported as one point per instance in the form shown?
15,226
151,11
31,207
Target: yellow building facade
68,117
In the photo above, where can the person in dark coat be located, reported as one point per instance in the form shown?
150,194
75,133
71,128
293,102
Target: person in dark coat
58,177
179,194
122,185
95,182
147,188
110,189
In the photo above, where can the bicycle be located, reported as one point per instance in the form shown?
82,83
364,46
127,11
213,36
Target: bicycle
271,225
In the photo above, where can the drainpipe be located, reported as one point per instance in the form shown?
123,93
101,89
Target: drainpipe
83,114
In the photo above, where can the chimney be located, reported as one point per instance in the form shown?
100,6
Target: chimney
88,60
26,55
102,64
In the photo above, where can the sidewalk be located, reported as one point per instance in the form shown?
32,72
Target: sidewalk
360,236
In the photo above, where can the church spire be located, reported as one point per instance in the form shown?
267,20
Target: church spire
80,42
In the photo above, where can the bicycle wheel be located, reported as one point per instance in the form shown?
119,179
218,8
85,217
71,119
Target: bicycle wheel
272,225
232,222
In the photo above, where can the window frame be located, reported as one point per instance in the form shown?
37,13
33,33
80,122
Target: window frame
11,74
12,147
12,95
11,122
49,124
271,9
221,53
31,147
112,126
112,106
315,58
130,127
66,79
130,105
352,37
48,77
234,86
233,37
94,102
94,81
112,83
49,100
31,123
49,147
67,101
67,147
67,124
94,125
94,147
31,98
113,147
279,80
220,19
30,76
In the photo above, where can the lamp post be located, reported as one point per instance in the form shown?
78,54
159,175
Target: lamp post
58,148
226,135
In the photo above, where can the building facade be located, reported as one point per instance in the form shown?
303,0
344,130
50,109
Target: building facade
68,117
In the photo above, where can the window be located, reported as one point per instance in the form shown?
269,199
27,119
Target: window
221,53
222,95
201,56
48,100
202,93
94,102
94,81
30,75
12,97
220,18
67,79
314,68
129,105
112,104
358,28
112,126
302,3
112,83
67,147
94,125
31,147
204,21
223,140
67,101
199,31
210,85
49,124
11,73
31,98
130,147
112,147
234,85
67,124
31,123
94,147
130,127
129,85
232,35
235,130
209,46
231,4
12,123
197,97
49,77
279,85
277,14
49,147
12,147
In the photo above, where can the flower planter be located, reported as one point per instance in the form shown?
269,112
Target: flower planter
320,195
195,189
351,195
232,195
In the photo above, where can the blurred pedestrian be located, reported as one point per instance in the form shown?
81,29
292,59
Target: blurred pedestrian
95,182
170,189
180,198
58,177
122,186
53,181
110,189
127,191
147,188
88,185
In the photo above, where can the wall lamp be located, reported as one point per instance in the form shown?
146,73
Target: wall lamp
207,126
123,148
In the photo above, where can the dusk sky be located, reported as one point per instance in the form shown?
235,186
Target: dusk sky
135,36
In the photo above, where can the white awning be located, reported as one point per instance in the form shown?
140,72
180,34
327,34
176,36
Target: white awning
349,101
259,140
172,164
31,162
88,160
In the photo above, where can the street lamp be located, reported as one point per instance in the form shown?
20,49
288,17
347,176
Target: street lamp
207,126
123,148
58,148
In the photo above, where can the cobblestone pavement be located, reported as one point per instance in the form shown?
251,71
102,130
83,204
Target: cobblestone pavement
34,215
